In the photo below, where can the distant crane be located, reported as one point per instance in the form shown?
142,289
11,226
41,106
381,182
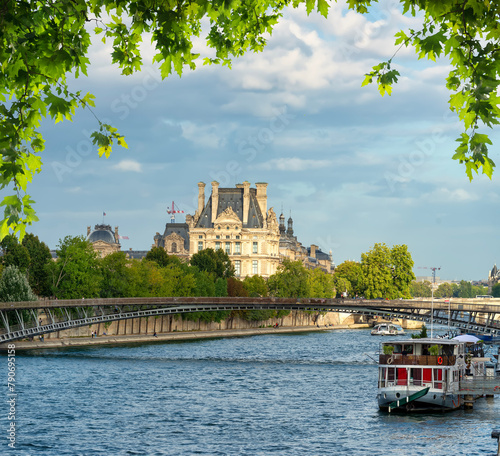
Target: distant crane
172,211
433,272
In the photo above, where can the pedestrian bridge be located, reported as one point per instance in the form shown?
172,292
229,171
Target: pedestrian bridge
19,320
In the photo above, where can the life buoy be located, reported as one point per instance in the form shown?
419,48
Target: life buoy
496,388
390,360
440,360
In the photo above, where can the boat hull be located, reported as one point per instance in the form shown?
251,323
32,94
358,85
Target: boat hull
433,401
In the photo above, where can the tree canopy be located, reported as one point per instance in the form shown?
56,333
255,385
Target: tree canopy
45,44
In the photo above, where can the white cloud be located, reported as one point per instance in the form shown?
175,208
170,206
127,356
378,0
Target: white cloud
128,165
293,164
445,195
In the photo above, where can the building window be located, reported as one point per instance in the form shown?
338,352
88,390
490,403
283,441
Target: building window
227,227
228,248
237,237
255,248
200,236
217,245
217,237
237,268
255,267
200,245
174,247
228,237
237,248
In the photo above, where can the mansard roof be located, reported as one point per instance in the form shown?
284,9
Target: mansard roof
181,229
233,198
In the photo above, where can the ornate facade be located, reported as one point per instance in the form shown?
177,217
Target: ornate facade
238,221
493,277
104,241
233,219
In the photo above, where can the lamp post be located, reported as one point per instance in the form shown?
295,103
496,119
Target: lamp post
432,309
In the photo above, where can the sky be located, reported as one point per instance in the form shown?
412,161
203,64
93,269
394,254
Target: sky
350,167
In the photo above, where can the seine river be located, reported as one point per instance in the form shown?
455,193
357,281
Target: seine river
307,394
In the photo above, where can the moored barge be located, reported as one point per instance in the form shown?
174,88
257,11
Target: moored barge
425,375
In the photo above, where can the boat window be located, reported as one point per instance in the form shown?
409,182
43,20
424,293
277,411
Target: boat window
408,349
390,374
398,348
438,378
416,375
447,350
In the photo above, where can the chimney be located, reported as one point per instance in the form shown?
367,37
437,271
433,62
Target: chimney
262,197
117,239
215,199
246,201
313,250
201,197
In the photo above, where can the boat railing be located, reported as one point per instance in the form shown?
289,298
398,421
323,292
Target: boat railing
418,360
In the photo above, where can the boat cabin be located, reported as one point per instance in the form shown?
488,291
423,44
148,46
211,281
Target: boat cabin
420,362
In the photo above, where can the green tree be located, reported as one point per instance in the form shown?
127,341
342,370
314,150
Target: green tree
421,289
14,286
320,284
353,273
387,273
402,270
291,280
444,290
42,43
342,285
377,277
255,286
216,262
15,254
38,269
161,258
465,290
76,272
495,290
116,276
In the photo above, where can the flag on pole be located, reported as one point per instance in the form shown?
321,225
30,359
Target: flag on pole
103,214
123,237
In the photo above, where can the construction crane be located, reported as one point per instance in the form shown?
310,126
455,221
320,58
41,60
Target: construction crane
433,272
172,211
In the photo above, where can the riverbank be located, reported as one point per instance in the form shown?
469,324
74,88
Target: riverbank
66,342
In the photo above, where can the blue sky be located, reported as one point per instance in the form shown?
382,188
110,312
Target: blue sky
351,167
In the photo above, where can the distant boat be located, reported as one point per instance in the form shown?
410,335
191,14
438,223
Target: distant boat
387,329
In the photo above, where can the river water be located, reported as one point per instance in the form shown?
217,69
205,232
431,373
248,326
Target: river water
299,394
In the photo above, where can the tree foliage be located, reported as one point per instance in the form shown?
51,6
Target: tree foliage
75,274
421,289
291,280
42,44
495,290
14,286
215,262
466,32
387,273
352,273
40,261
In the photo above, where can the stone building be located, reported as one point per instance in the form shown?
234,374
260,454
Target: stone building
493,277
290,248
104,241
233,219
238,221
